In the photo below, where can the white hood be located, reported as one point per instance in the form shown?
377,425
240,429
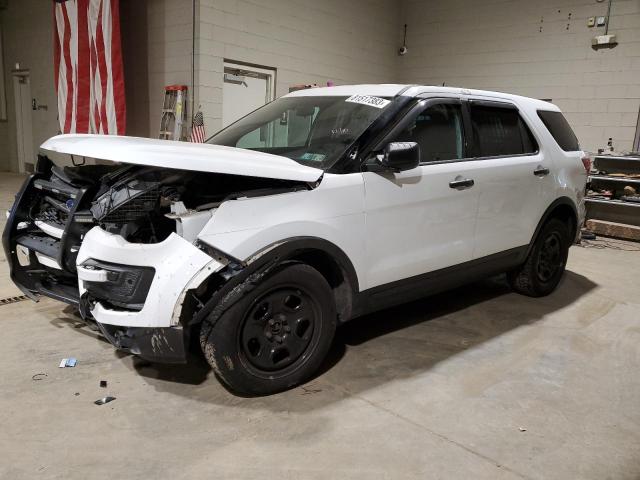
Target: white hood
199,157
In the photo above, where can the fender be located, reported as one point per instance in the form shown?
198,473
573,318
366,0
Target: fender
263,262
561,201
291,247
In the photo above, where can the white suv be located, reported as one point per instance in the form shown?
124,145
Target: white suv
321,206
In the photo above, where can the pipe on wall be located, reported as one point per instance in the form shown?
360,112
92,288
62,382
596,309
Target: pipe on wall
193,60
606,28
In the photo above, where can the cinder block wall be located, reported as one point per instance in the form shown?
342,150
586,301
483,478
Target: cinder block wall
168,59
27,38
307,41
540,49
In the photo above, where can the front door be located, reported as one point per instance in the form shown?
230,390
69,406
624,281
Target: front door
420,220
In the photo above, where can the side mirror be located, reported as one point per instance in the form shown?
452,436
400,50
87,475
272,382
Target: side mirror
401,156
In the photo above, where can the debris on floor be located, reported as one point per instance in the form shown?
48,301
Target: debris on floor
68,362
103,383
588,235
522,429
38,376
103,400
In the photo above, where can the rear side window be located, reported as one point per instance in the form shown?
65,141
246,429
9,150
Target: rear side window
500,131
560,130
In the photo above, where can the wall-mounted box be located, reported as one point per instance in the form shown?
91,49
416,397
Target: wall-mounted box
604,41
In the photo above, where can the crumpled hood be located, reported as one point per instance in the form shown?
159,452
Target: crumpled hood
198,157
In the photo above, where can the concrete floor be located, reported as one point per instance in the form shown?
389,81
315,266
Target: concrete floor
475,383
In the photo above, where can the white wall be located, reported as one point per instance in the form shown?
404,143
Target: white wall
27,35
307,41
157,45
170,32
498,45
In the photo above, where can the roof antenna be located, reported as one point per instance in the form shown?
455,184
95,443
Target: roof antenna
403,49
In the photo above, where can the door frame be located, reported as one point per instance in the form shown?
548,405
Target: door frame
24,126
256,71
245,69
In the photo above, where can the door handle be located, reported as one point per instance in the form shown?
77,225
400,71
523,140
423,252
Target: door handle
462,184
540,171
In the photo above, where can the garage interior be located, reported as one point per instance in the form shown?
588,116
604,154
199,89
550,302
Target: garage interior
478,382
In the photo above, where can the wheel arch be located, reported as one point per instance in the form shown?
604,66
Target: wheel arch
327,258
562,208
226,286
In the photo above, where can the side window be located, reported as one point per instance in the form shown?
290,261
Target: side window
500,131
439,132
560,130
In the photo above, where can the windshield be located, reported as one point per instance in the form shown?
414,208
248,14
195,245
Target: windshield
314,131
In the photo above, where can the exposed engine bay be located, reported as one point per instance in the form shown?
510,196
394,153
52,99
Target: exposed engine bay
58,206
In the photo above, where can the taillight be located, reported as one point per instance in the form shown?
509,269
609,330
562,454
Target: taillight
586,161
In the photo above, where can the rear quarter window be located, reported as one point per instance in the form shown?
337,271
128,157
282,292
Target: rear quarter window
560,130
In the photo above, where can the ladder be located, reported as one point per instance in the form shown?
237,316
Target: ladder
174,113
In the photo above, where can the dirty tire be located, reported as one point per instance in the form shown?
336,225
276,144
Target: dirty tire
276,336
544,267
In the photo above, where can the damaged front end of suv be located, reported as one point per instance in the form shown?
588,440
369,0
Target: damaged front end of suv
119,241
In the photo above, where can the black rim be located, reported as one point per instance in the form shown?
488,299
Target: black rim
278,328
550,257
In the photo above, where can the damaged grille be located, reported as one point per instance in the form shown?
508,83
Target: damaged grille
126,202
133,209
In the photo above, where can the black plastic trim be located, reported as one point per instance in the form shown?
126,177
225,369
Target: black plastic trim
127,288
413,288
160,345
290,247
269,257
493,103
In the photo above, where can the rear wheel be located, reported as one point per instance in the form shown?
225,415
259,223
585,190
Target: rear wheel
276,336
546,262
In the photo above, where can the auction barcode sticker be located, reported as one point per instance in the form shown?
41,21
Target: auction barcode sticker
368,100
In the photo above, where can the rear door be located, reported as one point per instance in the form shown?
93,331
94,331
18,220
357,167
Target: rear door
511,181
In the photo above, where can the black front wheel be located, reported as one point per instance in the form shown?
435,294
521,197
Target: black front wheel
276,336
544,267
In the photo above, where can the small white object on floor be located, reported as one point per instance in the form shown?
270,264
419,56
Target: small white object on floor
67,362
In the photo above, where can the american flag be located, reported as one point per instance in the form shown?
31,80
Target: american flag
89,77
197,129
